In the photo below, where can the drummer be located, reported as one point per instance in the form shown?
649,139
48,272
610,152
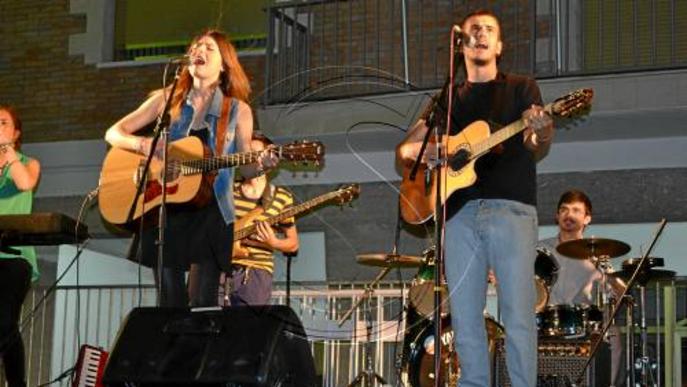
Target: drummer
577,278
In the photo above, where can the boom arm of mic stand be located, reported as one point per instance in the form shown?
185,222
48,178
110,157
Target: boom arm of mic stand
368,291
431,125
616,306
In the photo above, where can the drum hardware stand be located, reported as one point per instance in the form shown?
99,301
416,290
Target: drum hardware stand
368,376
643,364
615,307
629,341
603,265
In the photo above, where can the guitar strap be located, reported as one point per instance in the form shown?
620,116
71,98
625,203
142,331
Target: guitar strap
221,130
267,196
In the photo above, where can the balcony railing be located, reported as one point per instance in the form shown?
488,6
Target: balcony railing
321,49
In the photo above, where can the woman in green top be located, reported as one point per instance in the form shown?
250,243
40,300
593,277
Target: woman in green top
18,178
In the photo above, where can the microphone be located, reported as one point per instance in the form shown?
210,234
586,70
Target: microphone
466,39
181,60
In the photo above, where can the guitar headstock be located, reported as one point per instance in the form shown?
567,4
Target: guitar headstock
347,193
574,103
304,151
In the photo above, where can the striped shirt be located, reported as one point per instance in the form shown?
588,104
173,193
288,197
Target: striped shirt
262,258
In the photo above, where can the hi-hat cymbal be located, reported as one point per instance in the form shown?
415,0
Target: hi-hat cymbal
389,260
593,247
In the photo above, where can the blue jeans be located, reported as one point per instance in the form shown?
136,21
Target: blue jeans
497,234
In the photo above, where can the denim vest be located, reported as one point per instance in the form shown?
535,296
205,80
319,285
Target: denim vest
225,177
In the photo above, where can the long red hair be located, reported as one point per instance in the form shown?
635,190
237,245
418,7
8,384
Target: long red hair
233,81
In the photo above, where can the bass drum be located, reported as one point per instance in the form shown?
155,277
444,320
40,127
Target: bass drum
421,361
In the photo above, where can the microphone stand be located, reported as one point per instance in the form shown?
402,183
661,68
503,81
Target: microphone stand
440,216
160,132
620,300
433,128
438,208
289,261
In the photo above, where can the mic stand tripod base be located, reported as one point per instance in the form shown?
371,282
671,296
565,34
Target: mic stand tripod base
367,377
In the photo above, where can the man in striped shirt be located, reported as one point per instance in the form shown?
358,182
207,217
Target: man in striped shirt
253,264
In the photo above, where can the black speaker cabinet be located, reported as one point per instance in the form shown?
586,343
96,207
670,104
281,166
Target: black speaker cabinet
238,346
559,363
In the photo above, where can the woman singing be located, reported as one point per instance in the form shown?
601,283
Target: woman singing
210,102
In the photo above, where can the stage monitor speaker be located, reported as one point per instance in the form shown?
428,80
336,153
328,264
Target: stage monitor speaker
237,346
559,363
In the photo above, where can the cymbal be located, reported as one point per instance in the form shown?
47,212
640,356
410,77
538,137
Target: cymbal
593,247
389,260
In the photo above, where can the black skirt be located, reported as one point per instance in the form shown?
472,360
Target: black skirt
193,235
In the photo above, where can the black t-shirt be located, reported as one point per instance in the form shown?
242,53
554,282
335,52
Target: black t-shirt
509,170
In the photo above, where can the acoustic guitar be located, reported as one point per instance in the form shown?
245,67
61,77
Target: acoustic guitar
190,174
418,195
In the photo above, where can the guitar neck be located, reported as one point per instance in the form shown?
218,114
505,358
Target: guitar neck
192,167
291,211
502,135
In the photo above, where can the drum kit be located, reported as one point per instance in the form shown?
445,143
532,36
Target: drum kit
568,321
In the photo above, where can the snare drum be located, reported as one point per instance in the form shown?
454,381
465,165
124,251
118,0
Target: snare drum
421,362
421,292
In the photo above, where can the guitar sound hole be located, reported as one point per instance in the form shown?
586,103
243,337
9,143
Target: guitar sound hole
460,159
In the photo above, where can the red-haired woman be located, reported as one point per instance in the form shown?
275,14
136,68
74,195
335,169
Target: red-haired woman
212,89
18,179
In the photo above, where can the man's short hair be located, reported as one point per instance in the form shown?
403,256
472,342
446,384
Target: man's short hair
574,196
480,12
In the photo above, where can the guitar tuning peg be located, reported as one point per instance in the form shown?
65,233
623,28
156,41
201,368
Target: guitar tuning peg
305,174
293,174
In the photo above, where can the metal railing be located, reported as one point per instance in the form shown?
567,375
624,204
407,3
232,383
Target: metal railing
53,335
320,49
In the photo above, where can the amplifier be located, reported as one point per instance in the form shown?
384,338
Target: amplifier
559,363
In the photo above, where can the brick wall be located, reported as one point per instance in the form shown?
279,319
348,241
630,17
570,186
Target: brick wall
58,96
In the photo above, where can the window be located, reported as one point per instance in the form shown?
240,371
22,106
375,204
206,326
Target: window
153,29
